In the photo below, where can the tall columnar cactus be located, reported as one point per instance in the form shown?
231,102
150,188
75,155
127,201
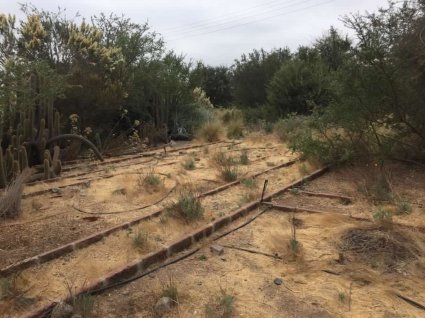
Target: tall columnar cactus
36,144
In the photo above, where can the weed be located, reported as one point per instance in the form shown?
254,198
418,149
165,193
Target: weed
82,304
342,297
382,215
140,240
293,244
235,129
169,289
270,164
404,208
221,160
221,307
210,131
243,159
229,174
152,180
189,164
202,257
189,206
249,183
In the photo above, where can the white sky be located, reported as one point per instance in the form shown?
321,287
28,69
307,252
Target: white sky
219,31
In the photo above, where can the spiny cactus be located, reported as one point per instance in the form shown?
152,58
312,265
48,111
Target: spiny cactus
36,138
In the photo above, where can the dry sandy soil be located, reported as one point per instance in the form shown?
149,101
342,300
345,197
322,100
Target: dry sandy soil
325,277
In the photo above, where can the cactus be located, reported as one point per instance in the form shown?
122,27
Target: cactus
16,169
23,157
37,135
46,169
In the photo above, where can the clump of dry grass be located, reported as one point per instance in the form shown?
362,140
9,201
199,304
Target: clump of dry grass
381,248
10,201
235,129
211,131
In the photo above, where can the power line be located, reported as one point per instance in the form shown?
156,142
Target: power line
228,15
241,19
250,22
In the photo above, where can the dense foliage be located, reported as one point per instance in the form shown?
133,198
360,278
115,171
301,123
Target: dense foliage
342,97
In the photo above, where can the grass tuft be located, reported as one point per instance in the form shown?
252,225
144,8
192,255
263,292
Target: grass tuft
211,131
189,206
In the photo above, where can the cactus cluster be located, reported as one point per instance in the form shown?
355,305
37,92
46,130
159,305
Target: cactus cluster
28,146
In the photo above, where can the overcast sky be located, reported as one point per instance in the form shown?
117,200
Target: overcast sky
218,31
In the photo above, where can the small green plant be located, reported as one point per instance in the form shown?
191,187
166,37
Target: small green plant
221,160
270,164
189,206
82,304
152,180
293,244
382,215
249,183
221,307
342,297
404,208
243,159
169,289
229,174
140,240
189,164
202,257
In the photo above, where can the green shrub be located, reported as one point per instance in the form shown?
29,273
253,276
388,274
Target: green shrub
404,208
382,215
140,240
229,174
189,206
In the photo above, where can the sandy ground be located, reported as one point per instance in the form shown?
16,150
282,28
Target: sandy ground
355,289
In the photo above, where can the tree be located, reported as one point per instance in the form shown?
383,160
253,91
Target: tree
252,73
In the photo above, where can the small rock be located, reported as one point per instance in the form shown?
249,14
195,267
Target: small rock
56,190
217,249
197,159
163,306
83,193
62,310
278,281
